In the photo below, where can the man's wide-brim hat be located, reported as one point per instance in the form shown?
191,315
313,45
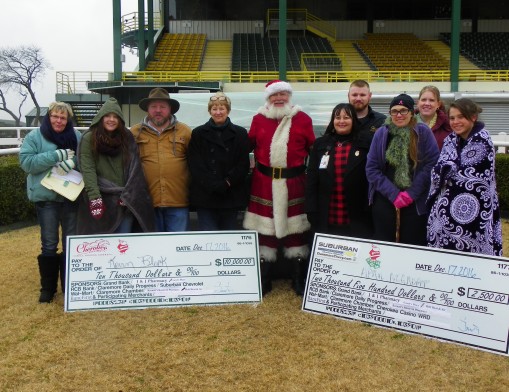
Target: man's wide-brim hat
160,94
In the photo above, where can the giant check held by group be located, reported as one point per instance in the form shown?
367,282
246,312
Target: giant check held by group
161,269
453,296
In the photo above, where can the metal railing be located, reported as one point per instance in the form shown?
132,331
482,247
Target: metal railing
130,21
301,17
321,60
70,82
76,82
13,136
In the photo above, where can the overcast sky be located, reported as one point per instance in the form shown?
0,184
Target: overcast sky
74,35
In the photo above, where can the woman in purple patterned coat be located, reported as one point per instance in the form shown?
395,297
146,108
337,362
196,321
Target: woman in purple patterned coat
465,213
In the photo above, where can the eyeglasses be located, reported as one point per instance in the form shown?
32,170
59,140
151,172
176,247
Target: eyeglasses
395,112
214,98
55,117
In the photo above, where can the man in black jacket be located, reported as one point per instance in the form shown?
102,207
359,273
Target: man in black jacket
359,95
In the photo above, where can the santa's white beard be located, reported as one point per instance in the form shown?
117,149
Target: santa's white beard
278,112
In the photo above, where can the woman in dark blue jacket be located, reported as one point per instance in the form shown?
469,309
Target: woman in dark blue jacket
336,184
218,158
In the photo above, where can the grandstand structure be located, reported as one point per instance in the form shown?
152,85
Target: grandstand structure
198,45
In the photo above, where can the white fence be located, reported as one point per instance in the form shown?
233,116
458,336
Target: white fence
501,140
15,138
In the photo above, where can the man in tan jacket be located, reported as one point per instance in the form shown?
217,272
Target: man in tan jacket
163,143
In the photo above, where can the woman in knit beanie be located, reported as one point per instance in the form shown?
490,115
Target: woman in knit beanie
112,173
398,168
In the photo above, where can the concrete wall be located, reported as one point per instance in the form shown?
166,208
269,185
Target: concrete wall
345,29
381,88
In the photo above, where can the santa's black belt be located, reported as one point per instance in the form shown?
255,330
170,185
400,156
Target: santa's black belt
280,172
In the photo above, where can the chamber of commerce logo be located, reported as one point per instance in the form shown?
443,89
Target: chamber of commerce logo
93,247
122,246
374,254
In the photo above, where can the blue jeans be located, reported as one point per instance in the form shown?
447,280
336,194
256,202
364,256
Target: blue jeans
213,219
51,215
126,225
172,218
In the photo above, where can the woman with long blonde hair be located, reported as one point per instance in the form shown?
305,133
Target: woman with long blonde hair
431,111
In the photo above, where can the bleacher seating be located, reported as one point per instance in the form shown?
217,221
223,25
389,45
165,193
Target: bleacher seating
399,51
486,50
251,52
178,52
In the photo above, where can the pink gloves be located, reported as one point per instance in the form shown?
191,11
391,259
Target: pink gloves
403,200
96,207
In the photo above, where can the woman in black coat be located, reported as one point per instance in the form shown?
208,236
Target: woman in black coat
218,158
336,184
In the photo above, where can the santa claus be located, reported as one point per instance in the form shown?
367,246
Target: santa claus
281,137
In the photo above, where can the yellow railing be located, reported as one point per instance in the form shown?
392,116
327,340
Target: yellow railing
309,21
316,76
318,25
77,82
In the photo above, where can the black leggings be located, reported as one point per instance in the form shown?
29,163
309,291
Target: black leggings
412,226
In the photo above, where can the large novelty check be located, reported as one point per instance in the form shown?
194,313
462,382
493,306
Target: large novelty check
161,269
453,296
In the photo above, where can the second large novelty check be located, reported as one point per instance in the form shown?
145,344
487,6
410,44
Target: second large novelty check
448,295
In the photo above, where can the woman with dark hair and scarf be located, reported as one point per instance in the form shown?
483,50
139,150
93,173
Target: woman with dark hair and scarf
53,144
116,194
398,169
336,184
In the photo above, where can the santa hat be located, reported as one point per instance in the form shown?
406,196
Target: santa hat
276,86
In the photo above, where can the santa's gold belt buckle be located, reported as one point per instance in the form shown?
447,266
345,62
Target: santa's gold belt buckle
277,173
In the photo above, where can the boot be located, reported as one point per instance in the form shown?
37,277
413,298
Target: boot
266,276
299,274
62,265
48,269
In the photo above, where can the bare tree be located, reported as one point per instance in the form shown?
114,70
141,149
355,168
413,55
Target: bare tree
20,67
4,108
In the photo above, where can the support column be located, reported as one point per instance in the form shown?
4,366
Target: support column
150,32
282,39
117,41
455,44
141,35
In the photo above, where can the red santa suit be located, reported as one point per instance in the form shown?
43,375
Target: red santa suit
276,206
